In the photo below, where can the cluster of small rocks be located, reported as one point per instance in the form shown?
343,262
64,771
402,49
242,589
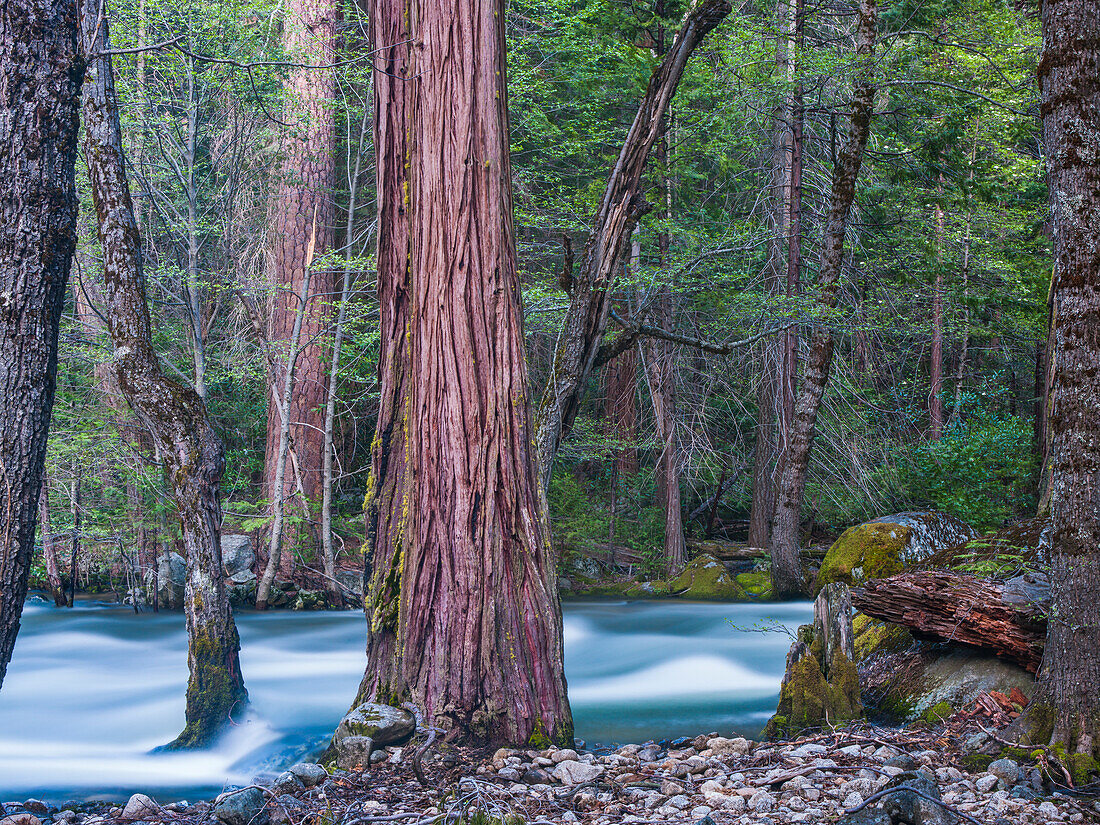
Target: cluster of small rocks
734,780
855,777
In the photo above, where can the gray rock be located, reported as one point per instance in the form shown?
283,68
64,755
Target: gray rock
241,807
1024,792
383,724
351,581
919,808
511,774
1007,771
237,554
986,783
21,818
287,783
36,806
762,802
171,574
928,532
310,773
903,761
576,773
357,751
1027,590
140,806
866,816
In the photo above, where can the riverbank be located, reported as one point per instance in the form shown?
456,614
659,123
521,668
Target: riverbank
863,771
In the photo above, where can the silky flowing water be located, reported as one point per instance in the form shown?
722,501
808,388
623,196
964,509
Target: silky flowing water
92,690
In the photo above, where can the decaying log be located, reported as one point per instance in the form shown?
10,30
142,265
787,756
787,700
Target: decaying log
1007,618
738,551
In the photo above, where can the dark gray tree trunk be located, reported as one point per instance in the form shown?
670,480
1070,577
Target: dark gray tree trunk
1066,711
173,413
622,205
786,569
40,72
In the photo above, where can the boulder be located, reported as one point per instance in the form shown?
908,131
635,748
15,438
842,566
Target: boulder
368,727
932,684
310,773
171,575
1023,544
706,579
140,806
884,546
915,800
351,581
245,807
21,818
237,555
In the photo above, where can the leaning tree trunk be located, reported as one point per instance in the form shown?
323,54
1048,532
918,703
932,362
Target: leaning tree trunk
1066,711
302,217
622,205
463,605
40,71
173,413
786,570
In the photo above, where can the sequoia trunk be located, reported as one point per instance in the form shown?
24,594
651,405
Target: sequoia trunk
463,605
1066,712
303,214
40,70
173,413
786,570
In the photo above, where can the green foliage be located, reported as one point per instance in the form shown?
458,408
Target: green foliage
981,470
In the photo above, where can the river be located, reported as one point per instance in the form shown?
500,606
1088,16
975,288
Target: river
91,690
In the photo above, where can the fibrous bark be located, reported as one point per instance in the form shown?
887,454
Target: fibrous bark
1066,711
40,72
952,607
173,413
622,205
463,605
786,571
302,216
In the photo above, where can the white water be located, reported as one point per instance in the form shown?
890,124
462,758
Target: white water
90,691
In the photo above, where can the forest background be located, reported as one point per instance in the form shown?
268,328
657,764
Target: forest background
936,397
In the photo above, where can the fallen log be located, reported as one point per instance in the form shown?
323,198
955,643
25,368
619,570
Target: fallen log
738,551
954,607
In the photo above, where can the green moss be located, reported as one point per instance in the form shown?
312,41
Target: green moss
863,552
1082,767
977,762
757,585
706,579
938,713
808,700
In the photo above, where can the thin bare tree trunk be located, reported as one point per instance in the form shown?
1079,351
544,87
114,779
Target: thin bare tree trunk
75,511
303,215
1066,710
282,452
49,550
173,413
39,95
786,568
328,551
622,205
463,605
935,392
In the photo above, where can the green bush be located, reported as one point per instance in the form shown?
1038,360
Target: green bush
981,470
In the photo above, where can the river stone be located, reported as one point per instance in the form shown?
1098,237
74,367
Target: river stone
903,805
21,818
866,816
287,783
237,554
241,807
576,773
382,724
1007,771
36,806
310,773
140,806
357,751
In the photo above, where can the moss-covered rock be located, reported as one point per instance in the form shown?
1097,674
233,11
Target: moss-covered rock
706,579
872,636
758,584
1023,545
864,552
808,699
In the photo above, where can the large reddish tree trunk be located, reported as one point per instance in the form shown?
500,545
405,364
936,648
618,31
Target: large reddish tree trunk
302,216
622,409
786,570
40,70
463,605
1067,710
173,413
